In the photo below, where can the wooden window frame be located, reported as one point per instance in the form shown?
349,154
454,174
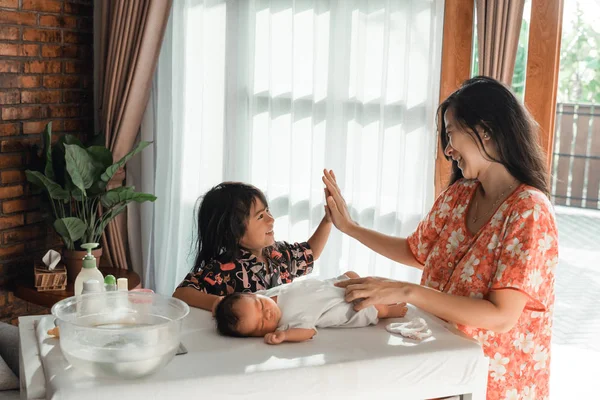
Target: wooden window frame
456,67
543,64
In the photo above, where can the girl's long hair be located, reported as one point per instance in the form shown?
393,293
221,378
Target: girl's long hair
221,221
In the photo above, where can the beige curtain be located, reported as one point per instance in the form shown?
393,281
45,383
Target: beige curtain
498,28
129,34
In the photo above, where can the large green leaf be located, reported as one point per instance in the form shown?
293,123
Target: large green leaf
69,139
113,196
102,159
47,143
54,190
58,159
124,195
80,166
77,194
107,218
65,140
112,170
98,188
101,155
70,229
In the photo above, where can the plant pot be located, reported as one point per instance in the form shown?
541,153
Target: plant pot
73,259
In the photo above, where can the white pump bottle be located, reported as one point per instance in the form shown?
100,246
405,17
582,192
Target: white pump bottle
89,269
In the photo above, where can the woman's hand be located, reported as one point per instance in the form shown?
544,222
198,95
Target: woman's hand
336,208
366,292
276,337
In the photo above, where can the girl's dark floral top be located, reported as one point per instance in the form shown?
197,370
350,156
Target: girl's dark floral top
246,274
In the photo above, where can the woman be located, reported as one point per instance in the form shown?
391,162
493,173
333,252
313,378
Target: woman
488,247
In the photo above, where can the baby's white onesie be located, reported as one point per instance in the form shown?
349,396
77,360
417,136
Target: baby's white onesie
313,303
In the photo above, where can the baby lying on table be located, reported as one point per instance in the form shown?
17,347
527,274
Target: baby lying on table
292,312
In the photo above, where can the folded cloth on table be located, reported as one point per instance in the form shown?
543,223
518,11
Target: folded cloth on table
49,348
415,329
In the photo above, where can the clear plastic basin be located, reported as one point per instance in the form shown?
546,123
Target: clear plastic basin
119,334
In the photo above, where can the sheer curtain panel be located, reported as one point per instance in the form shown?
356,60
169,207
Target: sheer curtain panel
272,92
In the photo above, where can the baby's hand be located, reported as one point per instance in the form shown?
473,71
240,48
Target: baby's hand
276,337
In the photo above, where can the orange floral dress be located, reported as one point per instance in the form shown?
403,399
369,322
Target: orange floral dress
517,249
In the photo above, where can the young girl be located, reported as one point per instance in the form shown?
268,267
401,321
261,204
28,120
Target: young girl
291,313
237,251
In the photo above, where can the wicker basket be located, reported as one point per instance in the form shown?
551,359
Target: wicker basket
46,280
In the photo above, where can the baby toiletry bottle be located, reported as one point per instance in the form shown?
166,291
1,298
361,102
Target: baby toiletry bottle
90,304
110,283
122,285
122,298
89,269
91,286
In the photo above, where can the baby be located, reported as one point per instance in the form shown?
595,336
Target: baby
292,312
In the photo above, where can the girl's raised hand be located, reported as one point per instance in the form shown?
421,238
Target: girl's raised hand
336,208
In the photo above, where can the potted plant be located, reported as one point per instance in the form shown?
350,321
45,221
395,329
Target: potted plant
75,179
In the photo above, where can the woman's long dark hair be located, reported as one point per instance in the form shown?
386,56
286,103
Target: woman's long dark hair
486,103
222,218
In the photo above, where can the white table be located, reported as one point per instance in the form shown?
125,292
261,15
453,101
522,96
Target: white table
337,363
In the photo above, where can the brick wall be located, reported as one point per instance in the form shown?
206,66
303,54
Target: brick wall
45,75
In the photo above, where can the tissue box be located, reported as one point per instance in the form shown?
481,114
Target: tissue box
46,280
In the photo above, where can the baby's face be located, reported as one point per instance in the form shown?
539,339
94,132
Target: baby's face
259,315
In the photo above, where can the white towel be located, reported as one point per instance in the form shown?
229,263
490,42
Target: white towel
415,329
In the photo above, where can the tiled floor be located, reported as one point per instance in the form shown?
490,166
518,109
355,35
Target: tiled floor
576,334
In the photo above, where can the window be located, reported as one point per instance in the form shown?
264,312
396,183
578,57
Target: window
303,85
